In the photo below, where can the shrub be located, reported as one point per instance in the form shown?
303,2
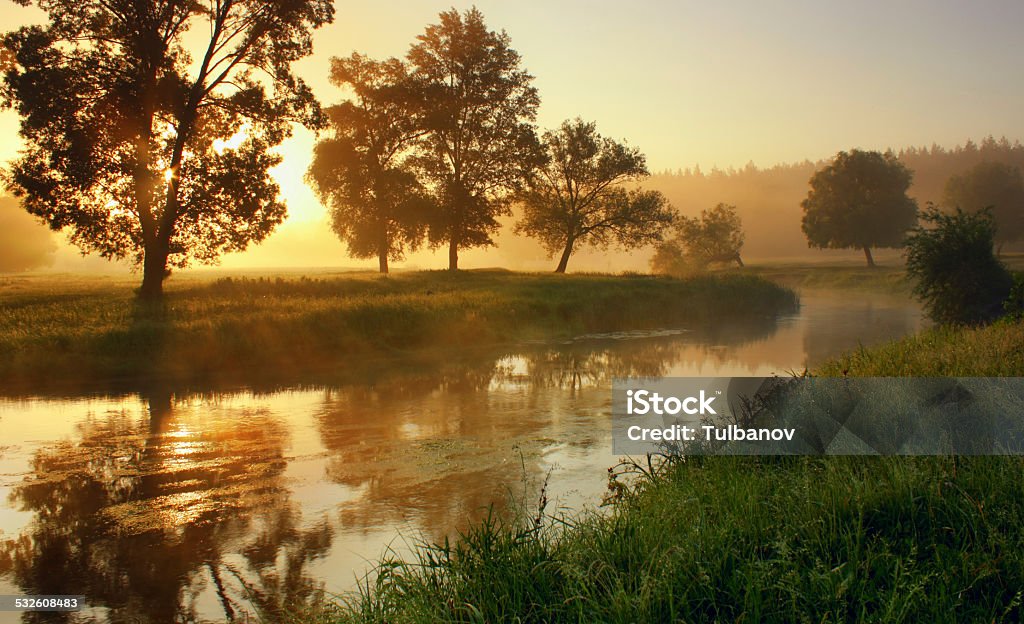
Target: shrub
957,276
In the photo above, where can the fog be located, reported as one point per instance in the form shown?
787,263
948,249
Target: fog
25,243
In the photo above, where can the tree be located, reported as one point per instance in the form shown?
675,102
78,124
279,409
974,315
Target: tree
378,206
576,197
717,236
480,109
958,278
145,152
714,237
991,184
859,202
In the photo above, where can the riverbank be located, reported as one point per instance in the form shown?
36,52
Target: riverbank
756,539
215,332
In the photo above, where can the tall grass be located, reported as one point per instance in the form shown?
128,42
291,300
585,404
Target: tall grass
290,326
996,350
739,539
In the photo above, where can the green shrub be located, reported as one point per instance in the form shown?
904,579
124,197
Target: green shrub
957,276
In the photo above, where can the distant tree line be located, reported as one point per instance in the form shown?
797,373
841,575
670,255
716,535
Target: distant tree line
768,200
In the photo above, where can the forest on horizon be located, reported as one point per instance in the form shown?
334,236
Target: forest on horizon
768,199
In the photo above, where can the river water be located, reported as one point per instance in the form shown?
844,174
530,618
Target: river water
165,507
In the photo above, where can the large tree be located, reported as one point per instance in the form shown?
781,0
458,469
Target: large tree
577,198
377,204
859,201
480,108
149,126
994,185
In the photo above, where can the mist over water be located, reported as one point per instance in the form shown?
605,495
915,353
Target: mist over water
206,505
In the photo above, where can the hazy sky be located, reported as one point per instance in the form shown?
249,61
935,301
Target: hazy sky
718,83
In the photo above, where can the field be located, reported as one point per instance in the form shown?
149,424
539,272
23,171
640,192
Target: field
249,330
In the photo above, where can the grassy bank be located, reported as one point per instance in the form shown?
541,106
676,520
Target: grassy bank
993,351
902,539
741,540
230,329
888,278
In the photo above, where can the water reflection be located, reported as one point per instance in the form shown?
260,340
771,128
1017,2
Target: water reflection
163,506
149,513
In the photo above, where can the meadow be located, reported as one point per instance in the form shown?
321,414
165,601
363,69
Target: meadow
211,332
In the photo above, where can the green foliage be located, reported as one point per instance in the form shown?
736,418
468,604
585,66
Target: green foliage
576,198
715,237
1013,307
995,350
377,204
859,201
128,138
480,108
957,276
995,185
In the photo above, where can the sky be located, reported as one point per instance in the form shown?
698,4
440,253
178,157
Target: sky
710,83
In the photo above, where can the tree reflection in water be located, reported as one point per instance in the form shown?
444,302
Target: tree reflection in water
165,516
185,511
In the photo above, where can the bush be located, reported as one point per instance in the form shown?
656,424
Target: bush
958,277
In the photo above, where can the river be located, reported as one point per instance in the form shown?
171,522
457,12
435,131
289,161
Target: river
166,507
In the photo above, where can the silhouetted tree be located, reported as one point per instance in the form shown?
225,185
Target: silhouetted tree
480,113
717,236
991,184
577,199
957,276
145,151
377,204
859,201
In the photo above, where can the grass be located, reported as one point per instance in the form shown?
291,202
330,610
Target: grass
748,539
739,540
888,278
993,351
234,330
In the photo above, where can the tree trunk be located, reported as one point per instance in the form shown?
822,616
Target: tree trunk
739,261
867,254
382,260
565,258
154,270
453,255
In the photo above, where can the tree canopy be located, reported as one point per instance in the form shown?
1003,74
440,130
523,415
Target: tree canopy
145,147
716,236
859,201
479,110
377,204
577,197
995,185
